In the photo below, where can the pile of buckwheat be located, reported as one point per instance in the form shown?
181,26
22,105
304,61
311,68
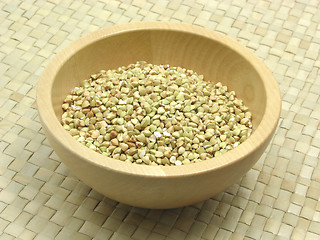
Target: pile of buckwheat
155,115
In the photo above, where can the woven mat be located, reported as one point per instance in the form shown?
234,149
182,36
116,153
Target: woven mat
278,199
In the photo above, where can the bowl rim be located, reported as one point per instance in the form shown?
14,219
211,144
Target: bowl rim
263,132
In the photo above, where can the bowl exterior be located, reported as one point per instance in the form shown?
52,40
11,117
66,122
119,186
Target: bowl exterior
154,192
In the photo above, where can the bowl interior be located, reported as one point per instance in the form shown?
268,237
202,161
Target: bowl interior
214,58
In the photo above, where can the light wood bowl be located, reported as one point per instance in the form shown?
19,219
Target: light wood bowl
214,55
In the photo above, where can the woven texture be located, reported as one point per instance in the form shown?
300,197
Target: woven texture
278,199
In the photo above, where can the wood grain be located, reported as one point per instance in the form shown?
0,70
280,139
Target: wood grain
209,53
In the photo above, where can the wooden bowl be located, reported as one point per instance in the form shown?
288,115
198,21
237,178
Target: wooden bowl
215,56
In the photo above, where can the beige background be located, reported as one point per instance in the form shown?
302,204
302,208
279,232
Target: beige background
278,199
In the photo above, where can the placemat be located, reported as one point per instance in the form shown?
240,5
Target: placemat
278,199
